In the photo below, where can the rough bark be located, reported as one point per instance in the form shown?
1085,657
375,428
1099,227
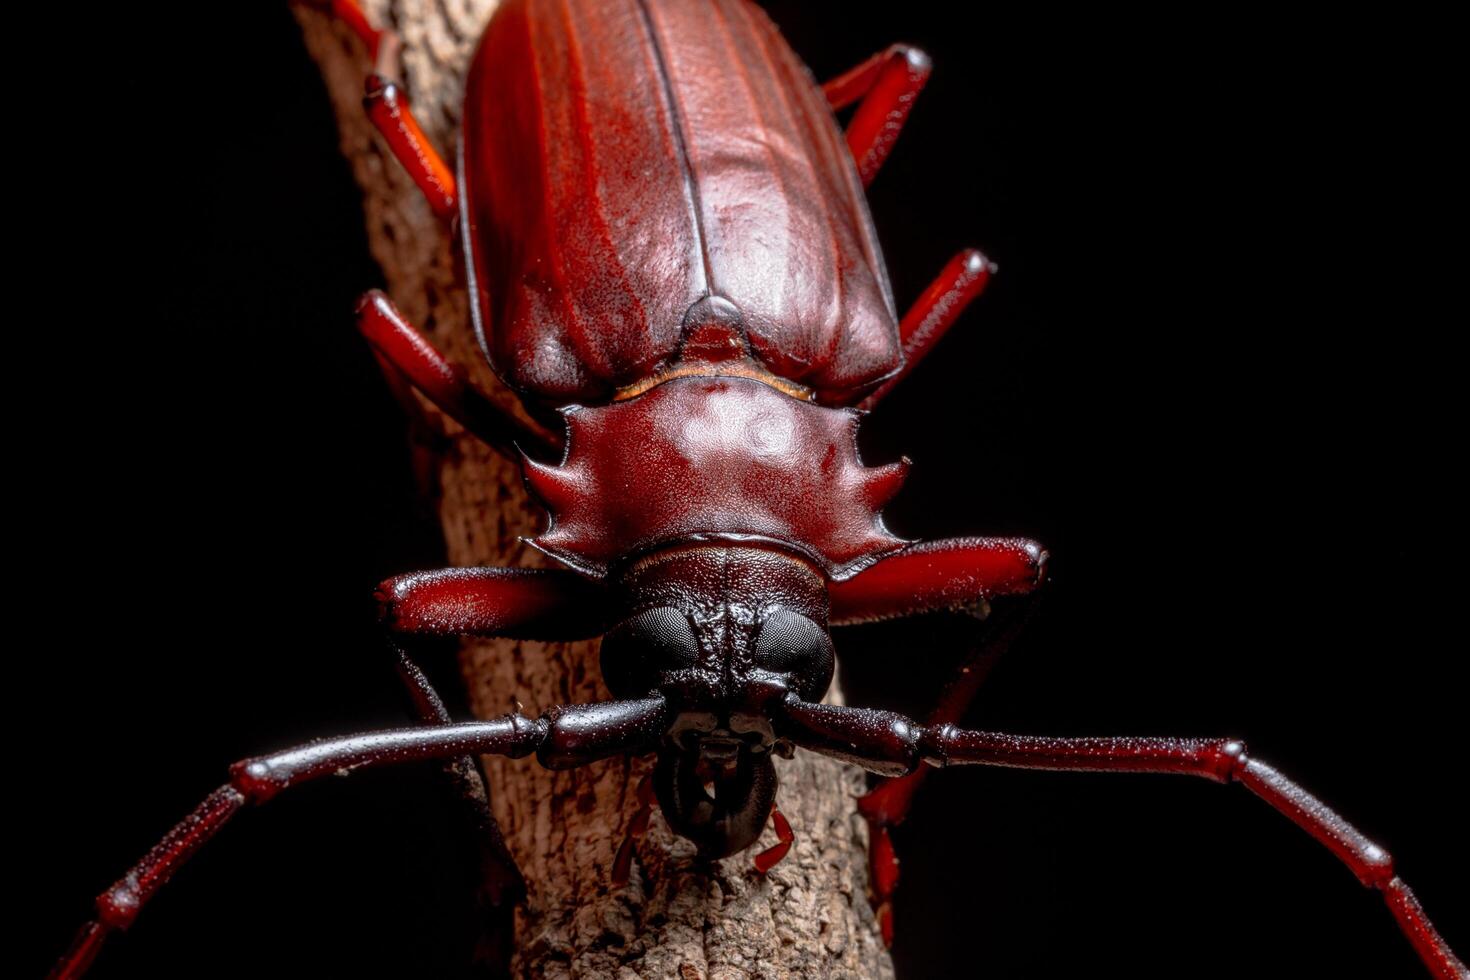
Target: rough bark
677,917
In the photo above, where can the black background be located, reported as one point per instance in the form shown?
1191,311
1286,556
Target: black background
1213,375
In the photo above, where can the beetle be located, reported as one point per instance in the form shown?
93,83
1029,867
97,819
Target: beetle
723,842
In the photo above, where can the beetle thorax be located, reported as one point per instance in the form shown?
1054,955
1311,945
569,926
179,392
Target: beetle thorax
715,458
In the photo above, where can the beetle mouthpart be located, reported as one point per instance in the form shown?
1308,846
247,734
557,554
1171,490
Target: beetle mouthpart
722,808
755,730
718,751
690,727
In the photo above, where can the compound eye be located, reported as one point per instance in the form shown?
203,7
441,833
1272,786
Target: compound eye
638,652
791,644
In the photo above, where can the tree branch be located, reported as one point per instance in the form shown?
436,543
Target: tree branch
678,917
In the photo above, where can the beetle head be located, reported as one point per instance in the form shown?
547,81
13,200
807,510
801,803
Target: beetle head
724,632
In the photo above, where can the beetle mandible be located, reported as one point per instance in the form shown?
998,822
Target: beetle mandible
714,370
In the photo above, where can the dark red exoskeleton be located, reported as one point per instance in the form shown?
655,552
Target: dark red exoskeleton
666,240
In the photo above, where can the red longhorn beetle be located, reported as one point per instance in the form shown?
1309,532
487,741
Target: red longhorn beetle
714,365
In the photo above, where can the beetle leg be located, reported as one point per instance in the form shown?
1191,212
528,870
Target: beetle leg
501,878
887,83
562,738
388,110
888,803
483,601
955,574
771,856
934,312
523,603
427,440
637,827
350,14
890,744
443,382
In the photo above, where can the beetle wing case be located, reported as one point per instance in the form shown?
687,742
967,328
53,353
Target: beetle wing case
611,180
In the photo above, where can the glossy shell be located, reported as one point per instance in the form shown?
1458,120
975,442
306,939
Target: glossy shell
722,459
625,160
